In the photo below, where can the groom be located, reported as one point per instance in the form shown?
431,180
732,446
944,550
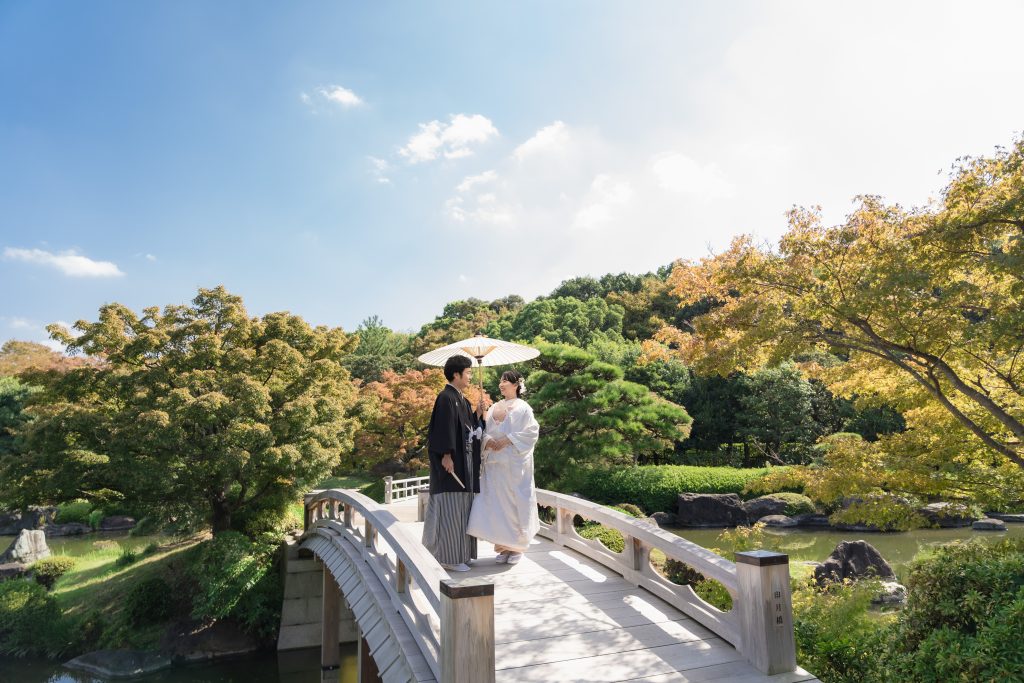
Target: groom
453,442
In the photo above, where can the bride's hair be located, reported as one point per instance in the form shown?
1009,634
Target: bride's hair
515,378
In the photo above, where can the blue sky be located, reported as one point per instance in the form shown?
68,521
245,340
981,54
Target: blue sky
342,159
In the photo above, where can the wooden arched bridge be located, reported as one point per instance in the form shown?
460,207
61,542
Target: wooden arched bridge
571,610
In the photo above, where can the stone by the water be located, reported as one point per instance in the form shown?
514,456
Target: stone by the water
119,663
663,519
812,519
989,524
69,529
853,560
1013,518
34,517
711,509
30,546
764,507
117,523
892,593
947,515
13,570
777,521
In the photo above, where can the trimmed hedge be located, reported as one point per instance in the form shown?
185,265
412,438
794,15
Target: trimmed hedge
655,488
47,570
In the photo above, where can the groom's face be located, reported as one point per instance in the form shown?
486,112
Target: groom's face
461,380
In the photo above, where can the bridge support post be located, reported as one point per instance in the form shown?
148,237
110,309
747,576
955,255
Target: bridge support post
765,610
387,490
330,655
467,631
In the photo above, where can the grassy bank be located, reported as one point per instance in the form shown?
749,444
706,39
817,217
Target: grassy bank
130,594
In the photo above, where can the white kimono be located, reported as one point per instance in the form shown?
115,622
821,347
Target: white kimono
505,510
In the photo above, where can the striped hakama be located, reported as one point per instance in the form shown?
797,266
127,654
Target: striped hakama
444,527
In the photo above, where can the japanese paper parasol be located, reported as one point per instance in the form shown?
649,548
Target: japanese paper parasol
485,351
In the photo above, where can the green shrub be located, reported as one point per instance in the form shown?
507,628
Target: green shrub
610,538
49,569
31,623
231,575
796,503
75,511
656,487
629,509
95,517
837,637
963,617
149,602
128,556
147,526
709,590
151,548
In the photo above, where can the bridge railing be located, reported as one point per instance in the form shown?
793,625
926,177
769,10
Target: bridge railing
403,489
760,625
411,574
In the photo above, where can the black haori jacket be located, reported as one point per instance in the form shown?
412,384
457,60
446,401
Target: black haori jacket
450,421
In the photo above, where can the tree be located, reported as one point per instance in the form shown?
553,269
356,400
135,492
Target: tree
395,428
926,304
589,416
378,350
13,395
462,319
564,320
199,413
777,408
18,356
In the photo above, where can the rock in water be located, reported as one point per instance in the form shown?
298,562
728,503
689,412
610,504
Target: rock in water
947,515
69,529
989,524
777,521
119,663
28,547
853,560
711,509
664,519
117,523
764,507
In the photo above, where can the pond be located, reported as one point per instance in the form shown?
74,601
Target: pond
76,546
297,666
816,544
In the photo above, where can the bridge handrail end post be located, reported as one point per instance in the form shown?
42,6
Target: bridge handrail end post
764,608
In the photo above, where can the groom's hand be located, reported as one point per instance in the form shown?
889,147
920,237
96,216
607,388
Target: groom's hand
447,463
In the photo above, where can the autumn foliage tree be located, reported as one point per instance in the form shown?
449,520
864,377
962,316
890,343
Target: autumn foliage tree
924,306
396,418
395,415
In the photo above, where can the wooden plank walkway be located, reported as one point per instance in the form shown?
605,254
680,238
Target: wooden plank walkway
560,616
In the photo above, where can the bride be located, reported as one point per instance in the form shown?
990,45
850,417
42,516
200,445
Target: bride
505,510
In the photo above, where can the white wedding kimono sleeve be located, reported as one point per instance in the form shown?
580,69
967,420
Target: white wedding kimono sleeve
523,430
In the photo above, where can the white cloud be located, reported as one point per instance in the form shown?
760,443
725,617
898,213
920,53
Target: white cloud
20,324
679,173
606,195
547,140
68,262
380,168
453,140
471,181
341,96
306,99
150,257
